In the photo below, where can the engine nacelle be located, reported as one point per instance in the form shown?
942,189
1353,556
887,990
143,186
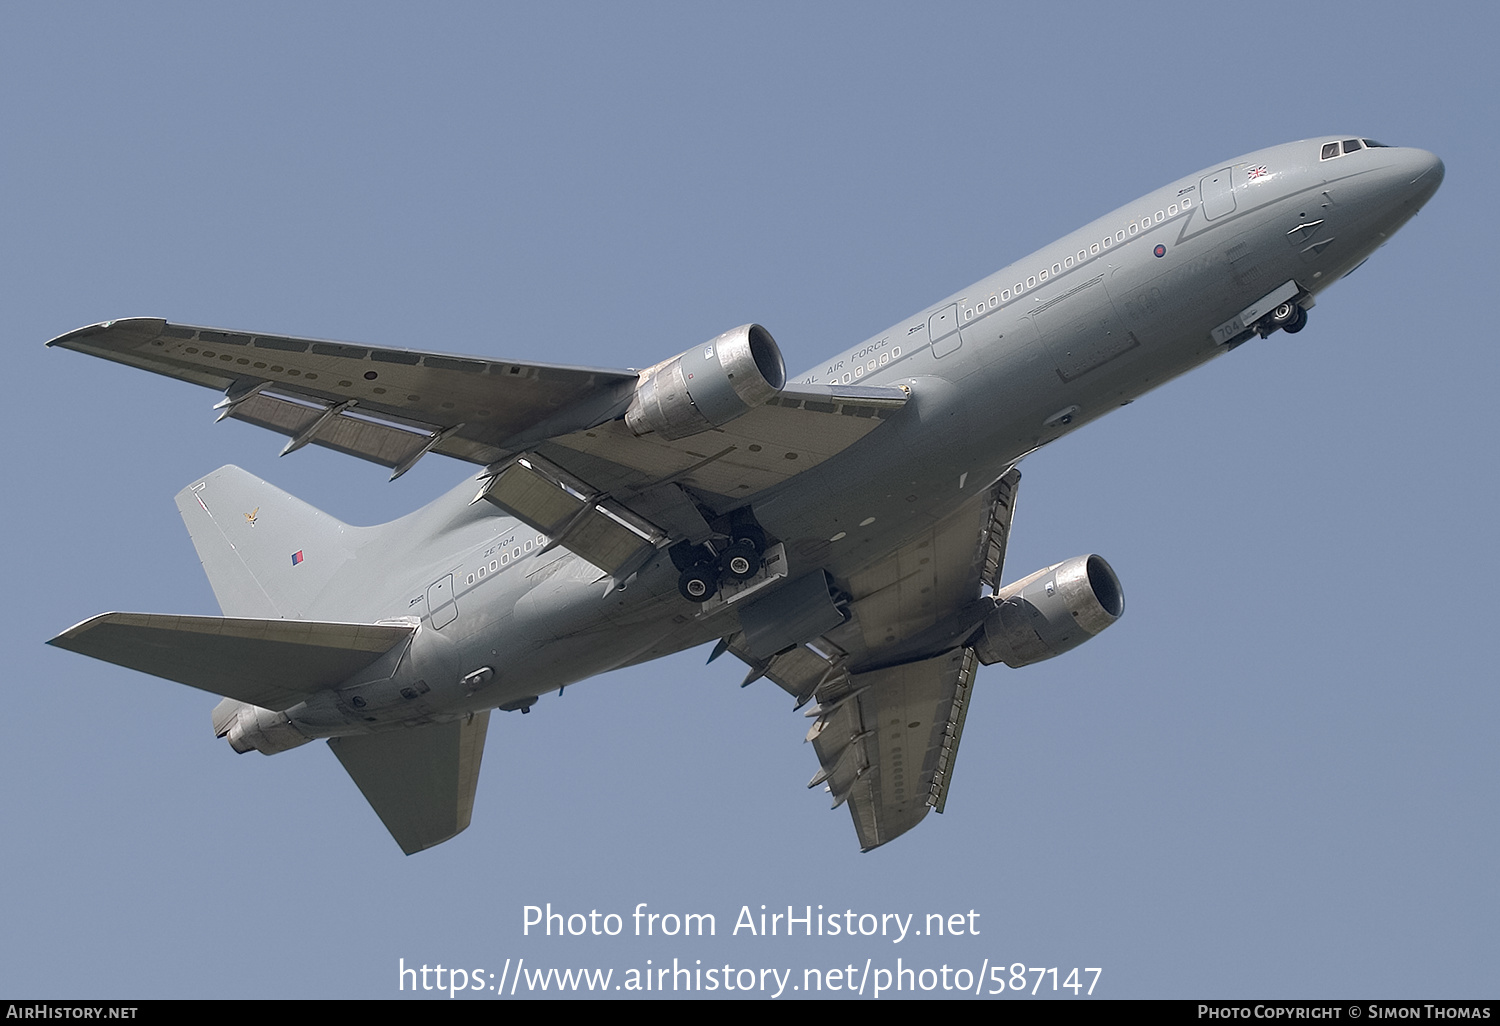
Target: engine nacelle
708,386
1050,612
250,728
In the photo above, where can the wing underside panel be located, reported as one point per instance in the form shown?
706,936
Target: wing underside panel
761,448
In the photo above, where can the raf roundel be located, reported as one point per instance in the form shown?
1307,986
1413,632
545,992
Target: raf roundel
1160,250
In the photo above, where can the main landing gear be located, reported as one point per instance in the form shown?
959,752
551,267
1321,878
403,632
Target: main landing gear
703,569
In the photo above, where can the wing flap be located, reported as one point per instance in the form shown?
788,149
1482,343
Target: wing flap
544,496
419,780
270,663
384,440
474,404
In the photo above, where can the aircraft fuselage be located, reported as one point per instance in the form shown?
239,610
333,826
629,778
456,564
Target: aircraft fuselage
1017,360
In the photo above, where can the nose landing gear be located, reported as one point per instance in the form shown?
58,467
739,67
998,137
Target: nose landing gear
1289,317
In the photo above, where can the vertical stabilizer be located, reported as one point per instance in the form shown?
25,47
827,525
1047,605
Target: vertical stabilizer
267,554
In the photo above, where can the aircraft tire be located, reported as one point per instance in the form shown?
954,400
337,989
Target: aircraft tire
698,583
1297,323
740,561
749,534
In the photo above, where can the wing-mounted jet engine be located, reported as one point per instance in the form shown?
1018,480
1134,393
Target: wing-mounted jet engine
1050,612
703,388
709,385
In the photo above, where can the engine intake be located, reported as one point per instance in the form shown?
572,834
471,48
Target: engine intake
708,386
1054,610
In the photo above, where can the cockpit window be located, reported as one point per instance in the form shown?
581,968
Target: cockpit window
1331,150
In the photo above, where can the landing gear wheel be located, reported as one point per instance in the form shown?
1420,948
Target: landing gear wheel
1284,313
740,561
749,534
1297,323
698,583
686,554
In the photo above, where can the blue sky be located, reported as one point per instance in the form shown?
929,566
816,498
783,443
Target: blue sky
1276,777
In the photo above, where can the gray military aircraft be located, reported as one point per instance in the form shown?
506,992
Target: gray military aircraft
844,534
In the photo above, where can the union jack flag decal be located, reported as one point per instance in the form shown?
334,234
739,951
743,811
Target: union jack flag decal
1258,170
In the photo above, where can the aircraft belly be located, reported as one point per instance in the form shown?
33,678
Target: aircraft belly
567,629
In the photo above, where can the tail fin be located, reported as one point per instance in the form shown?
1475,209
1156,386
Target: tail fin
267,554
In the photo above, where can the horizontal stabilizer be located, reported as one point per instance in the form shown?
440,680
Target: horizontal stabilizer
270,663
419,780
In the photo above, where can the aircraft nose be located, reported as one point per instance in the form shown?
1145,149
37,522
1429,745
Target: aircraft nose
1421,173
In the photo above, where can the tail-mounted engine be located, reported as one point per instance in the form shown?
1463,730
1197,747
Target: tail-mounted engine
1050,612
708,386
250,728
